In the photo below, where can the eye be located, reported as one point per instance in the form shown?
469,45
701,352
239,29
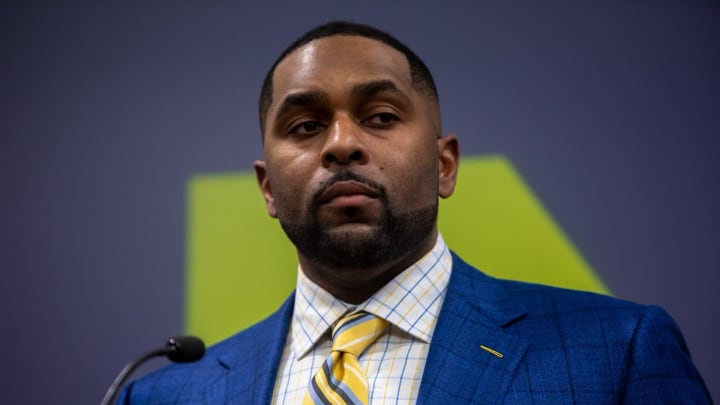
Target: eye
306,128
382,119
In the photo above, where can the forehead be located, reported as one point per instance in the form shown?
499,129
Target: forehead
339,62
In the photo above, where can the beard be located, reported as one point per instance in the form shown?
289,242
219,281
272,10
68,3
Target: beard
389,240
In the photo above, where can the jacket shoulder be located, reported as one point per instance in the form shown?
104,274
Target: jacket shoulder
191,382
539,300
588,344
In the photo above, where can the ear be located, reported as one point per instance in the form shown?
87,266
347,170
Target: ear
265,189
449,160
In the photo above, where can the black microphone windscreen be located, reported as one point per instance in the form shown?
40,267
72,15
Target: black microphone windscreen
184,349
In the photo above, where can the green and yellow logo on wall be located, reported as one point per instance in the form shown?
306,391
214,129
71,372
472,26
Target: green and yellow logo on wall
241,267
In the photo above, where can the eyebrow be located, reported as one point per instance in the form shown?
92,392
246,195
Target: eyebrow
303,99
319,99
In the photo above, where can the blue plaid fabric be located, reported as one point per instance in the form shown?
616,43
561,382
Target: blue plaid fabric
552,346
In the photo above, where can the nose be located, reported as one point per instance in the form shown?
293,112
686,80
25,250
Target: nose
344,144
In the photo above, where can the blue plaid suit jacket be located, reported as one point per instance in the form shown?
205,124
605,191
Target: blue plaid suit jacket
557,346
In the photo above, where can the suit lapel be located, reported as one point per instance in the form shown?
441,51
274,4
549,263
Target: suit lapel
472,356
252,365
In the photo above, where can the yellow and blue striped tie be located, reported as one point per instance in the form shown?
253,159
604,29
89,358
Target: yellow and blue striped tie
341,380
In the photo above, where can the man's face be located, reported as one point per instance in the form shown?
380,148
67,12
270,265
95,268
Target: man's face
353,163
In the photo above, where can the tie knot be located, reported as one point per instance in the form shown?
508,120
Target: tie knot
355,332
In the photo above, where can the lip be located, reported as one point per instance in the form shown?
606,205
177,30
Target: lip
347,192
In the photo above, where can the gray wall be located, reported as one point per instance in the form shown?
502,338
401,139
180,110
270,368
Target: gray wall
610,109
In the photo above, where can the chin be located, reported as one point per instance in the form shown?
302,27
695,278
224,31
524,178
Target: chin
355,237
353,246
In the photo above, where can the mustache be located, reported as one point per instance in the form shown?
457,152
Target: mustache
347,175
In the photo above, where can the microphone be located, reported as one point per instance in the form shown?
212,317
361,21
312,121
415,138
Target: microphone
178,349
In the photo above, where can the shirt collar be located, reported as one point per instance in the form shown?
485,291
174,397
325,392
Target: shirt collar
411,301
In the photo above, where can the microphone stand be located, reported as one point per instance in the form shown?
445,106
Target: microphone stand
112,392
179,349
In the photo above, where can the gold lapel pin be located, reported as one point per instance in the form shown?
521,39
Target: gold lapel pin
489,350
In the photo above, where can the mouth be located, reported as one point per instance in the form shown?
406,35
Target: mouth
347,194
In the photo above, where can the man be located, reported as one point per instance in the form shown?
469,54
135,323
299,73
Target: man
354,164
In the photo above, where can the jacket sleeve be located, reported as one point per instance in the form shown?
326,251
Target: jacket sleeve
660,369
124,397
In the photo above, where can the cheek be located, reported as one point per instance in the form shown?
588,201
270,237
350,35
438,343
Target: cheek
290,177
413,184
420,190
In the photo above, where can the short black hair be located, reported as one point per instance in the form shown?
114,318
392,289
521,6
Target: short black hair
421,77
